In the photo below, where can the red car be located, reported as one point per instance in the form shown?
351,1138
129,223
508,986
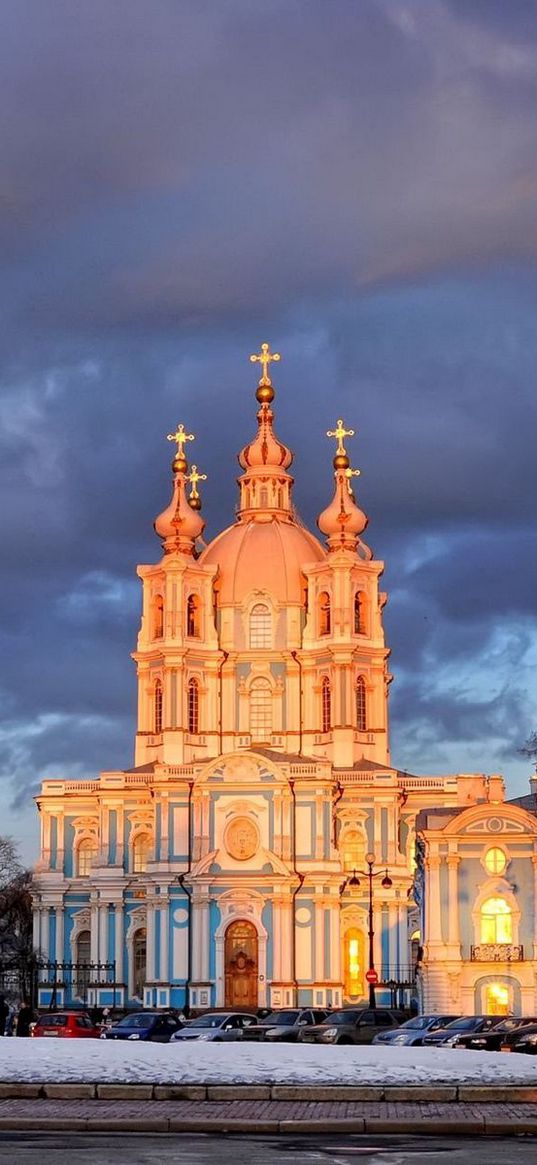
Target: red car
66,1024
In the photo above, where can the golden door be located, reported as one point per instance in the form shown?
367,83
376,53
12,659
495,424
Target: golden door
241,965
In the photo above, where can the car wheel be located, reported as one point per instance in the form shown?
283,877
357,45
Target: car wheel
344,1040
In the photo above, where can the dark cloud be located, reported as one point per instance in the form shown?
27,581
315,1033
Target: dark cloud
355,183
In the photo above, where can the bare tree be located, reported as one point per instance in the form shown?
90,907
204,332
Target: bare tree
16,938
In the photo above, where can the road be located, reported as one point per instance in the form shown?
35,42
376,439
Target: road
199,1149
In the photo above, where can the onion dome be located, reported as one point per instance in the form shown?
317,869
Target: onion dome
342,521
179,525
265,485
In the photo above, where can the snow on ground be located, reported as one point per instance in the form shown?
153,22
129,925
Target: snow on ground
100,1061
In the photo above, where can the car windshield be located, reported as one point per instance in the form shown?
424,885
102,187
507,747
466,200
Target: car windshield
509,1025
53,1021
465,1023
418,1023
343,1017
282,1017
208,1021
136,1020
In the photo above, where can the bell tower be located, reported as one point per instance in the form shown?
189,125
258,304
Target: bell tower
344,656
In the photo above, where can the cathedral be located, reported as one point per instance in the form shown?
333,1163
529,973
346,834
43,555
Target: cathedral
261,850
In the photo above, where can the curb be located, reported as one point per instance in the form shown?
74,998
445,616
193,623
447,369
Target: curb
448,1094
433,1127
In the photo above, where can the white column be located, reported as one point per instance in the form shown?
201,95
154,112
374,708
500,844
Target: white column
37,929
119,941
433,901
94,931
164,957
453,900
393,927
103,933
59,934
164,822
150,952
318,970
277,940
404,946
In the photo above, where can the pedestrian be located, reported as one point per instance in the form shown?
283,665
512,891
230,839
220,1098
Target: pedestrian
10,1021
4,1012
24,1019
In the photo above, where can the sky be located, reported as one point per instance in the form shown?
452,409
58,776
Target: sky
353,182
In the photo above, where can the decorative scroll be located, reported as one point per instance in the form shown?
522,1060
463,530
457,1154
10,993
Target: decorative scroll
497,953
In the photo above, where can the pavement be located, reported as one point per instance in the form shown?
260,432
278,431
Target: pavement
497,1118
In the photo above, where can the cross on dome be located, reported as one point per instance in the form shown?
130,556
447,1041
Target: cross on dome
264,358
180,437
340,432
193,477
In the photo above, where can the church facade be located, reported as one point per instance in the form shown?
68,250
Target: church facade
260,851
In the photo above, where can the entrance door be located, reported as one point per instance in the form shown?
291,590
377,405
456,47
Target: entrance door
241,960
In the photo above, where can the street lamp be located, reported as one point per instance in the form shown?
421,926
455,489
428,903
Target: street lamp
371,974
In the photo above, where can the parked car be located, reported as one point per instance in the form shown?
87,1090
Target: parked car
524,1039
448,1037
413,1031
352,1025
157,1026
216,1026
284,1026
492,1040
65,1024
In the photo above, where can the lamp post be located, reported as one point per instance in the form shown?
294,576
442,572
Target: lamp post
371,974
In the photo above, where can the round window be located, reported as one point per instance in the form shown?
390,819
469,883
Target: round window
495,861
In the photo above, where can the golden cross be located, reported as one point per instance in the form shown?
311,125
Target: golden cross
349,474
339,433
264,358
180,437
193,477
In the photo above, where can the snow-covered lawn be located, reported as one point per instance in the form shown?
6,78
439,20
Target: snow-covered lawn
100,1061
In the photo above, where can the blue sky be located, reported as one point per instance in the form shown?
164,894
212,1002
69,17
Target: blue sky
355,183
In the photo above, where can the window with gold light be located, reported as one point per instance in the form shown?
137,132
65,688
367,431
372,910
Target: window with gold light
497,999
140,853
354,963
496,918
324,613
353,850
86,852
495,860
158,617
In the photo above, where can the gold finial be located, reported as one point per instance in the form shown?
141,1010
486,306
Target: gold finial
265,391
341,460
349,474
180,437
339,433
193,477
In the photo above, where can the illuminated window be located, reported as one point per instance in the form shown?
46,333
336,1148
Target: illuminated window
361,706
497,999
326,705
193,707
260,626
495,861
354,963
157,710
193,616
87,850
496,921
261,711
359,613
140,853
324,613
158,617
353,850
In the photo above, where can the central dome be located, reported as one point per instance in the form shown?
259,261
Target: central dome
267,556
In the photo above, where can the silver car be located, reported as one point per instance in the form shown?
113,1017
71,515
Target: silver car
412,1032
217,1026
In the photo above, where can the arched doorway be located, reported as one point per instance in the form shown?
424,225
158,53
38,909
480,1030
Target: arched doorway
139,962
354,963
241,965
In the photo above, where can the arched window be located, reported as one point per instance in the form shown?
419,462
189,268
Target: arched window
158,617
326,705
83,960
361,704
193,707
260,626
359,613
193,616
260,710
353,850
86,851
140,853
496,921
324,613
139,962
157,710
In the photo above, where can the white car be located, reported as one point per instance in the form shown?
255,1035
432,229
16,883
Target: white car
217,1026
